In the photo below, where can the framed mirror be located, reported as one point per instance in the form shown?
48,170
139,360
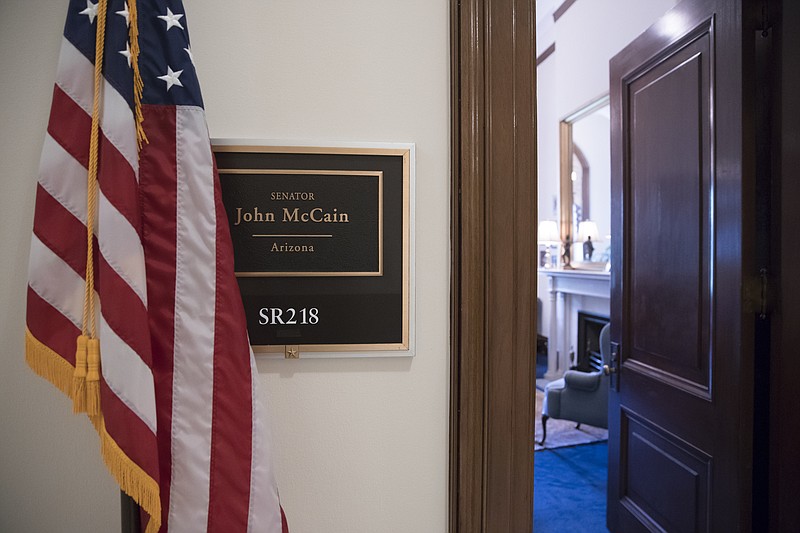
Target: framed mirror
586,185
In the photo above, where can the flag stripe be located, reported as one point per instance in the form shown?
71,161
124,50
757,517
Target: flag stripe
129,432
233,411
64,178
158,188
76,78
193,371
55,282
60,230
51,327
125,313
127,375
121,247
264,512
70,128
65,235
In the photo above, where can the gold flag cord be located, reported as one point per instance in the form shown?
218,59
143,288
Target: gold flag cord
86,380
138,84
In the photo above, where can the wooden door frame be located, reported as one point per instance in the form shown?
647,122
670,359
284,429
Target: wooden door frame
493,270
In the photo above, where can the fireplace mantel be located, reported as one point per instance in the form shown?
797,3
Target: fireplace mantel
564,286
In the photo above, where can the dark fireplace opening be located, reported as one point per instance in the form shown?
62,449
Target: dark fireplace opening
588,357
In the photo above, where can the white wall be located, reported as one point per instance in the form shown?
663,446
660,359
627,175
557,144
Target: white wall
587,36
361,445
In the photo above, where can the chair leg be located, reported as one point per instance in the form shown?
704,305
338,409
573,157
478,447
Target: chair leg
544,429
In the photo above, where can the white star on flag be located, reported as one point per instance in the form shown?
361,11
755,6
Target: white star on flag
90,11
172,78
127,53
125,13
189,53
172,19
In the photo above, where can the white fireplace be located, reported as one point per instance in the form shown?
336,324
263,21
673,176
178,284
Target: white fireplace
571,291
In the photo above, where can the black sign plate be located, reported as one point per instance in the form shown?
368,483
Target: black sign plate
321,245
305,223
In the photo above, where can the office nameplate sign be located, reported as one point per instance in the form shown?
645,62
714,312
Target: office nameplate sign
322,246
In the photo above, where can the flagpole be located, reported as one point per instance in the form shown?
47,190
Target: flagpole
131,516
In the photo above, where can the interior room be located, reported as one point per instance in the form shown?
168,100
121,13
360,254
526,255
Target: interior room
602,218
575,42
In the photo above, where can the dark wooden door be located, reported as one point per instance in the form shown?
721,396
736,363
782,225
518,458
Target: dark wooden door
683,198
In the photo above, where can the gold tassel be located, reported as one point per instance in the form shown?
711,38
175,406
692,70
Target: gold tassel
138,84
130,476
79,376
93,378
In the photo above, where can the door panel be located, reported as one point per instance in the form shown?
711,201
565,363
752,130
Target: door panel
680,410
668,107
684,474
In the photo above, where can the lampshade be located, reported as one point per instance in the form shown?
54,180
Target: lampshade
548,232
587,229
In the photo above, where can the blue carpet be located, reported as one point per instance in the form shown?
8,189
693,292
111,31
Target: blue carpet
569,490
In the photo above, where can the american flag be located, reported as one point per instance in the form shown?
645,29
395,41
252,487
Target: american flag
178,417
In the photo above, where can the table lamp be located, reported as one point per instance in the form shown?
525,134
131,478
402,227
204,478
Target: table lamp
548,237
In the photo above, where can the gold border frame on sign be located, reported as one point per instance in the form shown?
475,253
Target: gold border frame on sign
376,173
294,351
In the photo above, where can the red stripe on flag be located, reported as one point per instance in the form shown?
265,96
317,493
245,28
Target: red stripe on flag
118,183
129,432
56,227
232,424
284,523
158,190
65,235
70,126
124,311
50,327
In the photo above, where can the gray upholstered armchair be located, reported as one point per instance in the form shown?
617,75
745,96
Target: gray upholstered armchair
580,396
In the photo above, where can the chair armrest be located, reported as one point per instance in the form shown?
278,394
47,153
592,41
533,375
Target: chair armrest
586,381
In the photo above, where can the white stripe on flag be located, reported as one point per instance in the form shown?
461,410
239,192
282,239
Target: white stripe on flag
76,78
195,293
265,511
56,282
127,375
64,178
121,248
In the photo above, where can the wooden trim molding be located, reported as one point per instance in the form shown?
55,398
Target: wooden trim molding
493,265
547,53
560,10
